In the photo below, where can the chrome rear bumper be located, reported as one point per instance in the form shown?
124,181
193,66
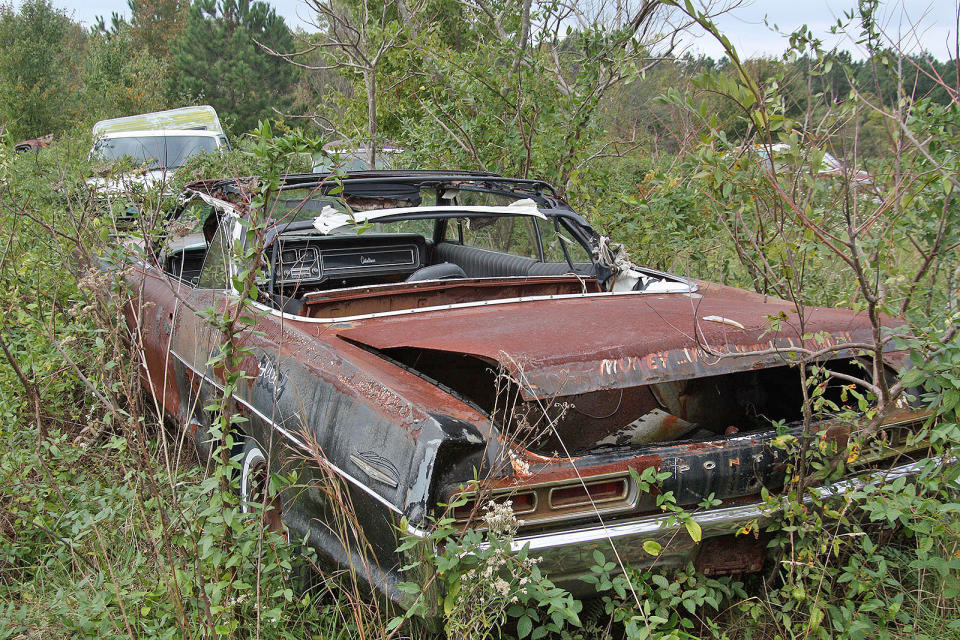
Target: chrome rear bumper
568,554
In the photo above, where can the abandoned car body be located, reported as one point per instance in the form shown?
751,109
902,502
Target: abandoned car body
157,144
34,144
418,328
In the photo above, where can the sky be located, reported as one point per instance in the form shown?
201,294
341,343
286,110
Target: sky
917,24
935,20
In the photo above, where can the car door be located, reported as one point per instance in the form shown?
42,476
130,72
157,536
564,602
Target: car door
164,288
196,343
195,340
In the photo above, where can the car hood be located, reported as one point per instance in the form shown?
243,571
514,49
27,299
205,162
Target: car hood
608,341
127,182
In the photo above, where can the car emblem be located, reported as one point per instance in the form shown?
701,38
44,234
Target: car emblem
376,467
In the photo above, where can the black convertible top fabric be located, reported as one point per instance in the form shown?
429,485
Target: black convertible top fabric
392,190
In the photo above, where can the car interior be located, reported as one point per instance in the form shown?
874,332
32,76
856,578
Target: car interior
302,261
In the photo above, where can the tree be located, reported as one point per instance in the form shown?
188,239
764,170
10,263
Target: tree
519,87
156,24
522,90
38,69
218,59
357,38
121,77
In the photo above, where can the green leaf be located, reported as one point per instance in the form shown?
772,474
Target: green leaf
450,601
652,547
524,626
693,529
393,624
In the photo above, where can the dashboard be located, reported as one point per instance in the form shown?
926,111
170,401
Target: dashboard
336,262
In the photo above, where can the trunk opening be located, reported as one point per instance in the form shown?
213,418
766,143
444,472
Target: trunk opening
695,409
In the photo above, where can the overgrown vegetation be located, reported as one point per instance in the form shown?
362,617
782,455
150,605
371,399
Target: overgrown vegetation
110,528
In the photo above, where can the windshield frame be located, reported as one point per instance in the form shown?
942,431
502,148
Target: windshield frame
232,196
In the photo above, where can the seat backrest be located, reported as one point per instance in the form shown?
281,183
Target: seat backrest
585,269
482,263
441,271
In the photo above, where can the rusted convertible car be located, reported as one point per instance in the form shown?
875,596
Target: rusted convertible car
421,329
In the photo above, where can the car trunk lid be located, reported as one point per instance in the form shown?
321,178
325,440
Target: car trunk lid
581,344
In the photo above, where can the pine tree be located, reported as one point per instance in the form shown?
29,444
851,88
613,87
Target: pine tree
217,60
156,24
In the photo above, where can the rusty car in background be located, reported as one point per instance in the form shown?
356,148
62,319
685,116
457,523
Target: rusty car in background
34,144
422,329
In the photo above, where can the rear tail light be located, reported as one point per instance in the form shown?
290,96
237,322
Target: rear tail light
588,493
521,503
524,502
552,501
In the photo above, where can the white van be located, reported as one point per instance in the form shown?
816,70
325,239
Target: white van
160,142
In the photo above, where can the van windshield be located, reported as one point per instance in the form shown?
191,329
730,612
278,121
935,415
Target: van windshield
158,152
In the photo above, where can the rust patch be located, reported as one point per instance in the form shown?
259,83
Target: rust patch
381,395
